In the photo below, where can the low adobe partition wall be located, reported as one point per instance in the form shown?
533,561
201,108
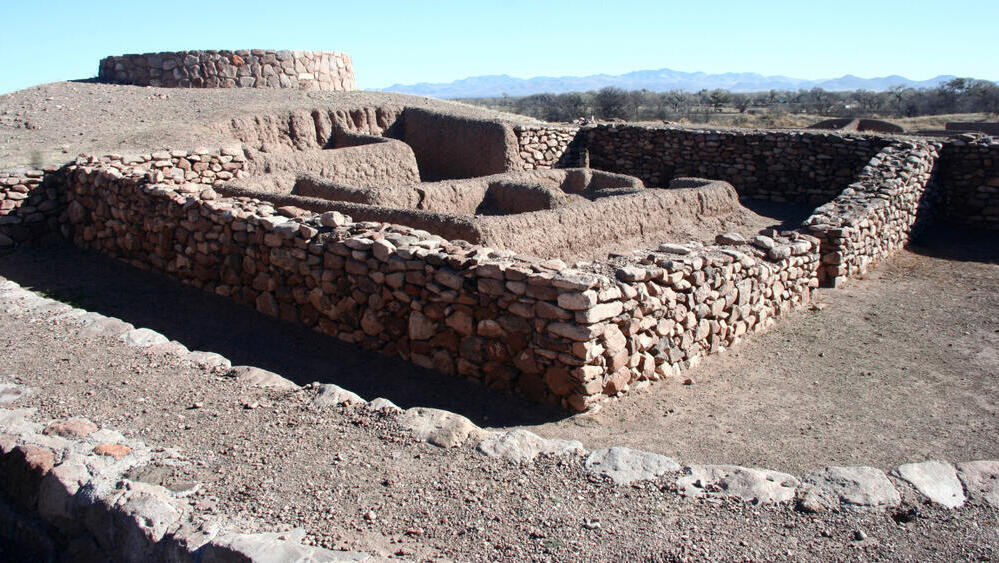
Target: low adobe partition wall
248,68
364,161
525,216
969,172
554,334
446,146
878,213
450,146
794,166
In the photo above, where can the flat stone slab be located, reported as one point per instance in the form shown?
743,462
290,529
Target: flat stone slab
104,326
329,395
855,486
757,486
271,547
384,405
981,478
143,338
439,427
10,392
256,377
208,360
936,480
521,446
625,466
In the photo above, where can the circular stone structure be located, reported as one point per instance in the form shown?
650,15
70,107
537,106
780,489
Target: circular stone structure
248,68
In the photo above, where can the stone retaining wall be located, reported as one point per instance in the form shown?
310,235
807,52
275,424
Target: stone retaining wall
29,206
969,170
548,147
878,213
256,68
553,334
797,166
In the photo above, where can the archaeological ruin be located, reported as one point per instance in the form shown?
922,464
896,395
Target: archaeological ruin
562,263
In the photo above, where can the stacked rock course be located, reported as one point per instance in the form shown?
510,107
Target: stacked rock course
970,171
545,147
29,210
554,334
797,166
256,68
876,215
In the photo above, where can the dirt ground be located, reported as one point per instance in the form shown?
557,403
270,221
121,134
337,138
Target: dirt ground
53,123
897,367
900,366
354,480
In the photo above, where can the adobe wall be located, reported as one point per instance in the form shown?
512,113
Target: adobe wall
797,166
448,146
376,162
569,229
248,68
303,130
969,170
585,229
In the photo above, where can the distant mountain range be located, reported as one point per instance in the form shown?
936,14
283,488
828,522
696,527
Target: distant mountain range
656,80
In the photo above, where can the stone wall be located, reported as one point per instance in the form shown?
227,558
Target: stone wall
71,491
256,68
877,214
542,147
797,166
969,170
29,205
553,334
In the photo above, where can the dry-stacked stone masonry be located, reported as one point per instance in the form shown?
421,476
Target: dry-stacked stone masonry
553,333
878,213
248,68
29,205
969,172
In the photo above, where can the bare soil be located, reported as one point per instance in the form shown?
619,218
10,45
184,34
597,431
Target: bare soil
897,367
900,366
354,480
53,123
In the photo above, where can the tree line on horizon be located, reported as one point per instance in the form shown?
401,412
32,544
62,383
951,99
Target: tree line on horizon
960,95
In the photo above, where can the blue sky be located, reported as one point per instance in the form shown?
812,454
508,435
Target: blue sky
406,42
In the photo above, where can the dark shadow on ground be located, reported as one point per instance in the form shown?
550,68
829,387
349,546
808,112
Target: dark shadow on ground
204,321
786,216
955,243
